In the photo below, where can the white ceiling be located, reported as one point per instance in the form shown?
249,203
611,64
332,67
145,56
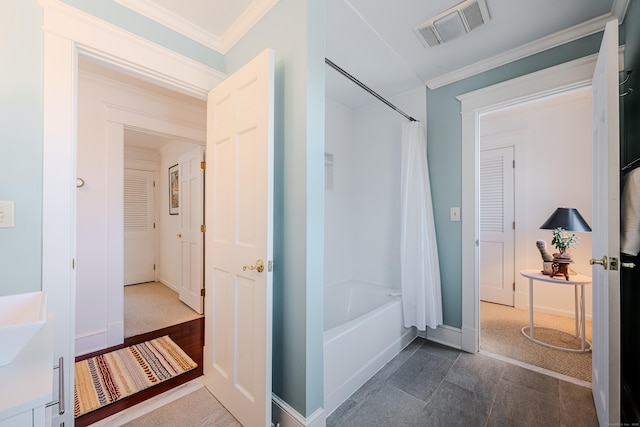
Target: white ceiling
374,40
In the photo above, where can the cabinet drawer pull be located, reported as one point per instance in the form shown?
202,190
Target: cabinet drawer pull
60,401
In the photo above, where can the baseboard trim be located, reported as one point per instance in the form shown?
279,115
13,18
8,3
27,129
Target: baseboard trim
285,415
445,335
169,285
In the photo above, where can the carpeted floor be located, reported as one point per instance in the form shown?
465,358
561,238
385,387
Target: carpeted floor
152,306
500,333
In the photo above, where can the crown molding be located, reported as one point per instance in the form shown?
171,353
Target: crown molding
619,9
113,46
221,44
254,13
562,37
163,16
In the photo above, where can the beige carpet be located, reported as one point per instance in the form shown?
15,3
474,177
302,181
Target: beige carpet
500,333
152,306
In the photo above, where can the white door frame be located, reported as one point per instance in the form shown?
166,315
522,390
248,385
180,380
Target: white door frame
564,77
68,33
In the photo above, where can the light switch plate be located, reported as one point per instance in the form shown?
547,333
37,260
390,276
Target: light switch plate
7,216
455,214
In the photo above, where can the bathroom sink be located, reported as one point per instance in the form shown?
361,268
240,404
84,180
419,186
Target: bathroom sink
21,317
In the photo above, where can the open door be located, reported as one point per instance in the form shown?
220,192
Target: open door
239,241
191,232
606,231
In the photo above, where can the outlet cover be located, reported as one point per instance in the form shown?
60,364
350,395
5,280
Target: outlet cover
455,214
7,217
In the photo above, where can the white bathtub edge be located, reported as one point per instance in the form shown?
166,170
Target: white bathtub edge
346,389
286,416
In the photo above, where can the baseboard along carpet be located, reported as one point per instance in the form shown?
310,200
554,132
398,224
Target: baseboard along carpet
109,377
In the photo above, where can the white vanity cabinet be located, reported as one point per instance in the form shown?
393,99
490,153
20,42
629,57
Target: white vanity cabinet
25,383
33,417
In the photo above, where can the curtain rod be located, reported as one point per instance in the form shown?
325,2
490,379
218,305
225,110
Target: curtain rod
367,88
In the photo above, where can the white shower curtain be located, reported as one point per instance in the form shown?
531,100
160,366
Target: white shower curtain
420,271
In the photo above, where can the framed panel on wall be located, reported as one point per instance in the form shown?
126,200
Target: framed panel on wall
174,191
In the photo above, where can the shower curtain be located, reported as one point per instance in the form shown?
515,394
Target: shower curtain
420,271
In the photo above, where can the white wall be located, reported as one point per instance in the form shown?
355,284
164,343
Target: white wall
362,213
104,109
338,214
551,135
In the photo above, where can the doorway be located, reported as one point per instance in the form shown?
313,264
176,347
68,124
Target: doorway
125,153
548,140
153,298
137,57
125,124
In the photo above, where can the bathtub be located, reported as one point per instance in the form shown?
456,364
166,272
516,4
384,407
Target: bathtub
363,330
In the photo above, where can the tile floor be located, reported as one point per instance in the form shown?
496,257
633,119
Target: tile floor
428,384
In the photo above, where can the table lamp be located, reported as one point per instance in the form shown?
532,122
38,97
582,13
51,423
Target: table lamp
563,220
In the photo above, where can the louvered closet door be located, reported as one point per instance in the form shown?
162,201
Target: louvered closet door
139,233
497,226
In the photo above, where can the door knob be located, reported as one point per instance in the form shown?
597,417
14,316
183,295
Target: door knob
259,267
603,262
179,235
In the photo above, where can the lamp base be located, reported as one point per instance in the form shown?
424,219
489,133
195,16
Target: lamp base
560,269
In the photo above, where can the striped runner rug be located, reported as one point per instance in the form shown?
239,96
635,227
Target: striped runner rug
109,377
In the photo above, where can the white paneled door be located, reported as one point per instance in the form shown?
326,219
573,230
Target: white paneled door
191,184
606,231
497,233
239,241
139,228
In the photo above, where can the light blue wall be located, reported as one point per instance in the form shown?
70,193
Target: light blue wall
116,14
21,112
295,30
444,136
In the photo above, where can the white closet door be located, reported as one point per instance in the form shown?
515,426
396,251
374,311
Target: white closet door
191,234
139,228
497,226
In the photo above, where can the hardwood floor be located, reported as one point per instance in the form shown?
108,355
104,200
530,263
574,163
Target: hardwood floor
189,336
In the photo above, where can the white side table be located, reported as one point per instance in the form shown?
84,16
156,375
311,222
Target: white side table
578,281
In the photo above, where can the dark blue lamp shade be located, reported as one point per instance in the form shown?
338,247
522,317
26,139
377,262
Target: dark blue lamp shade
567,218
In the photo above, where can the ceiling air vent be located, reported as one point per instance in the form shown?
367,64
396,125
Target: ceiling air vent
452,23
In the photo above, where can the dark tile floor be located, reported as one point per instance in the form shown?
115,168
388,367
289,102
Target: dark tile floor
428,384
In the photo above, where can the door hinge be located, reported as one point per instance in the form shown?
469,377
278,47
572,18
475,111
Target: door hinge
514,286
513,225
203,165
270,265
154,183
203,228
154,267
73,263
202,292
154,225
513,164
